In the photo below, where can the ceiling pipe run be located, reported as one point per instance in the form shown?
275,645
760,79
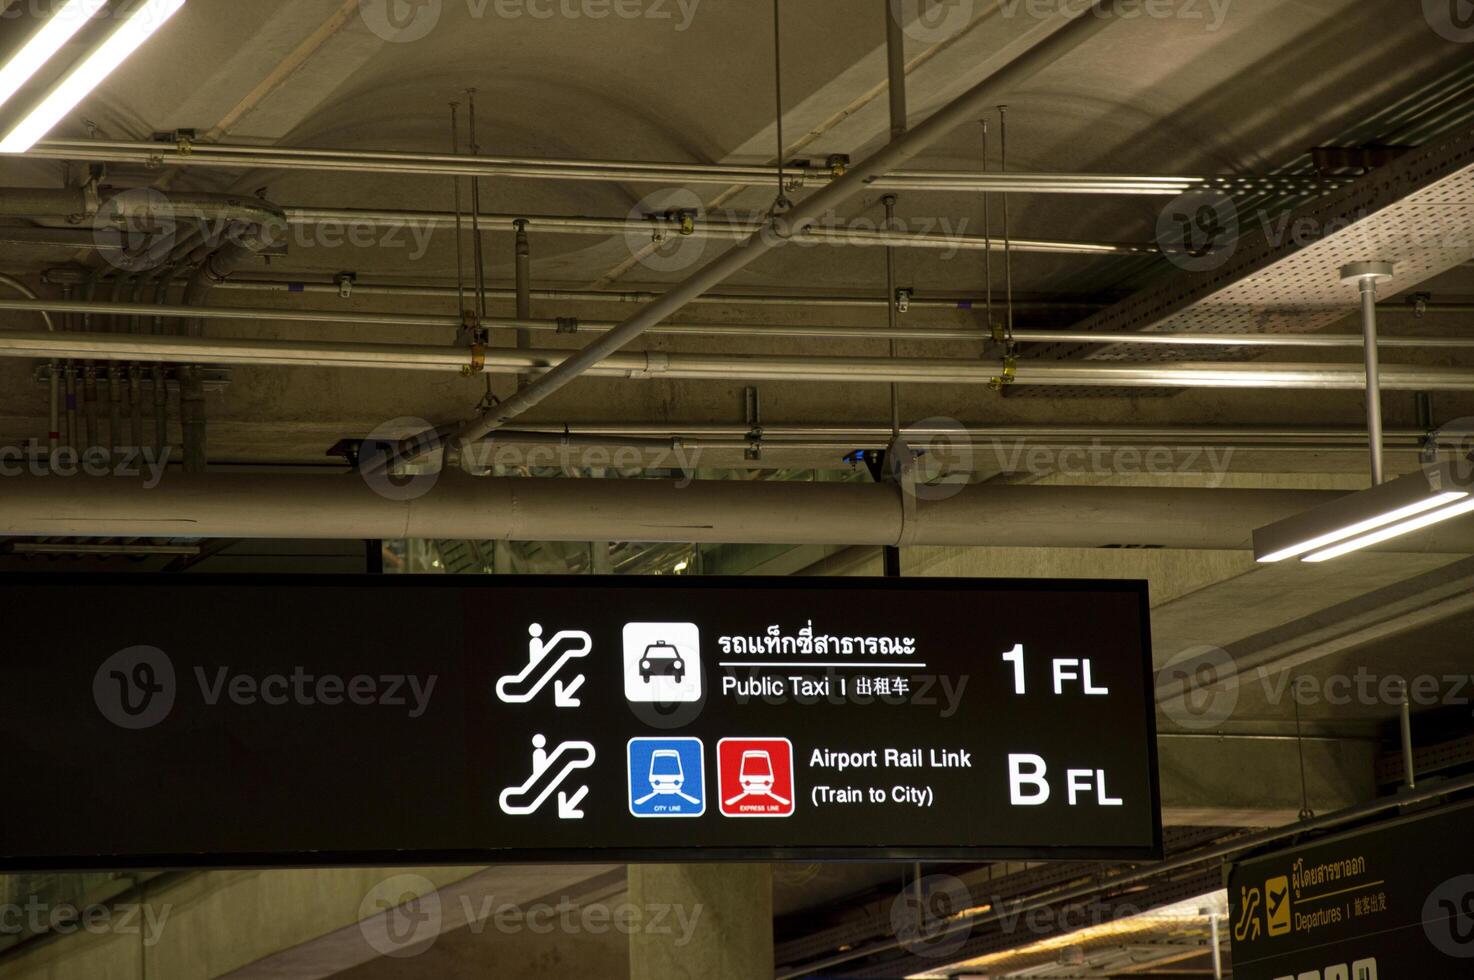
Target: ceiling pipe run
709,226
811,210
646,365
831,331
168,155
453,505
63,276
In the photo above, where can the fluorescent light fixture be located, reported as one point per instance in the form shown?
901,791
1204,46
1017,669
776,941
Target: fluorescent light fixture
1359,520
1387,533
96,67
43,46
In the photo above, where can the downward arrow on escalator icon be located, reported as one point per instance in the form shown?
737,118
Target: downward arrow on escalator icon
549,771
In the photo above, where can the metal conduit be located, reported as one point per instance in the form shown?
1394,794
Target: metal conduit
651,364
640,296
727,299
458,506
708,227
1065,39
398,162
832,331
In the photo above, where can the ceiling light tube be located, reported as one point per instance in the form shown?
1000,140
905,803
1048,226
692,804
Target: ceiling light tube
97,66
1383,512
1396,530
1361,527
45,43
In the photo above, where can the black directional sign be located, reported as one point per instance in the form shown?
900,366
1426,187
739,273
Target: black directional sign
1378,904
207,721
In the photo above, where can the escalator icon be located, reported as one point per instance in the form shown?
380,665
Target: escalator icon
550,770
543,666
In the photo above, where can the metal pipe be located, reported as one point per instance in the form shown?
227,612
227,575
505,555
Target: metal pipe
393,162
1405,719
822,330
1373,377
455,146
1217,941
478,245
876,435
244,240
890,274
793,299
54,432
115,379
731,227
804,215
656,364
895,50
458,506
524,292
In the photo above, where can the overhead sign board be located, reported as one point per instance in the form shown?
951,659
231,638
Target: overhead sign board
206,721
1373,905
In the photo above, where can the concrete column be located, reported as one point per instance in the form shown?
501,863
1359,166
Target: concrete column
730,911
